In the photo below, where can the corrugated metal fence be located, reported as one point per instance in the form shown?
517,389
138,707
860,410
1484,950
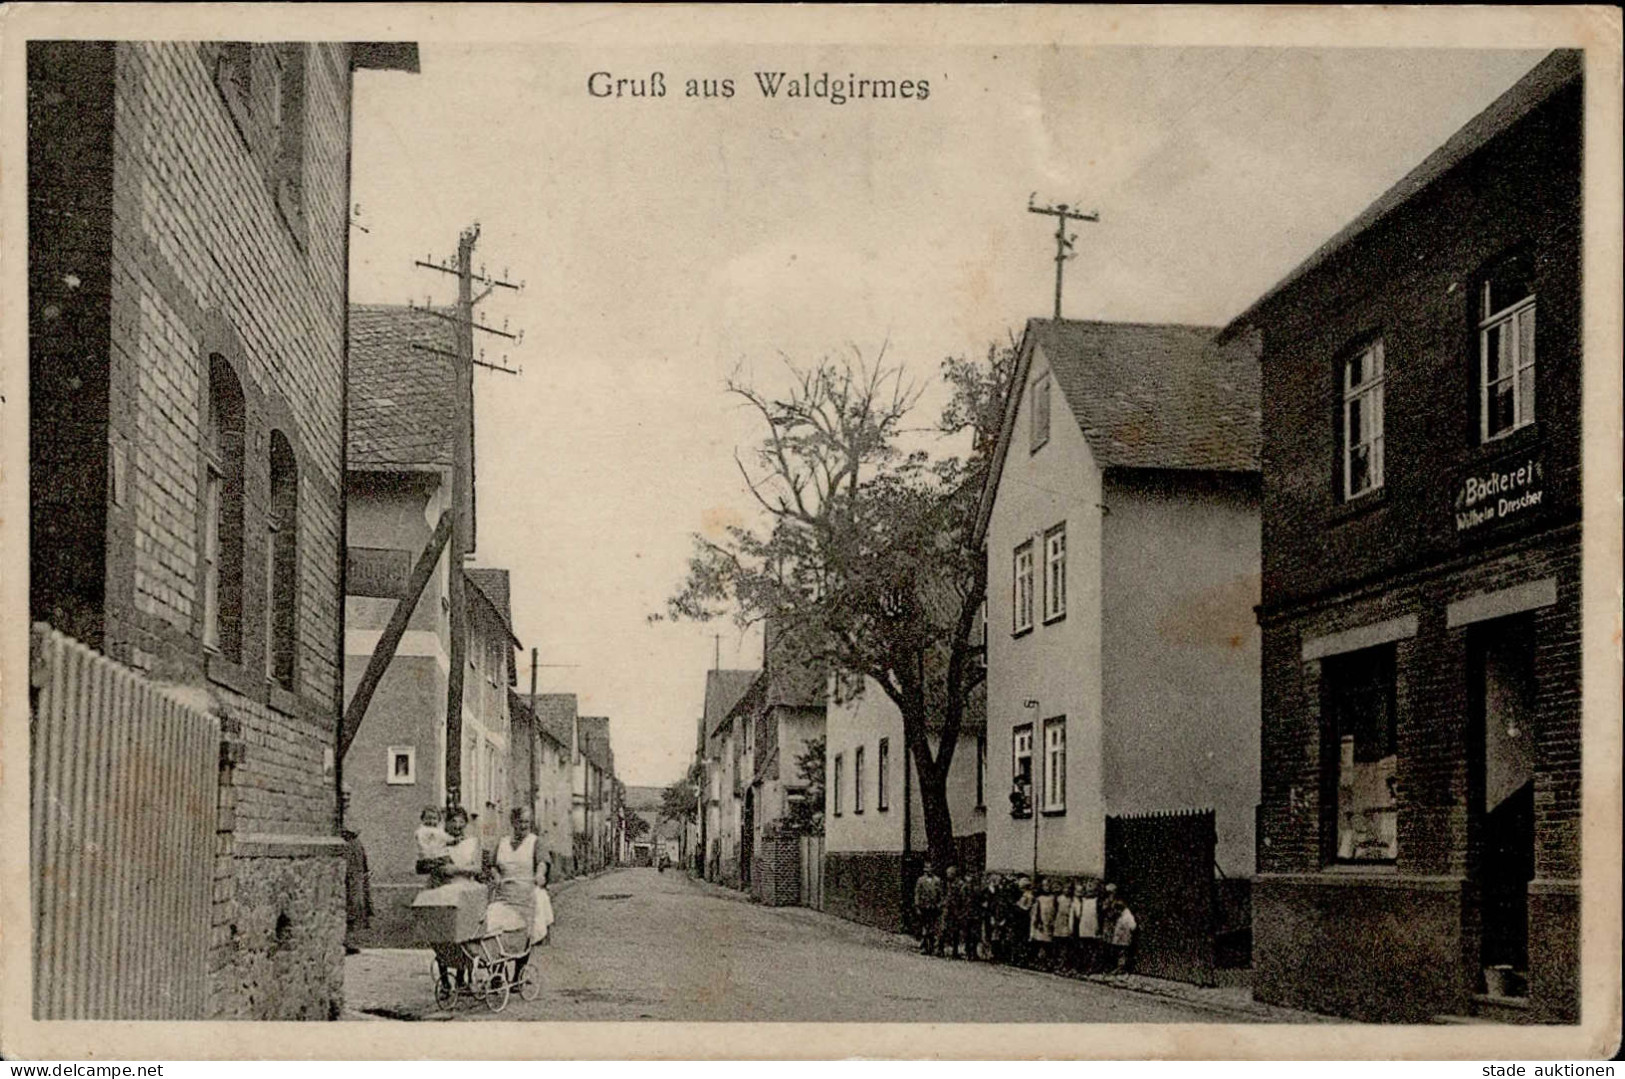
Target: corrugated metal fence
123,790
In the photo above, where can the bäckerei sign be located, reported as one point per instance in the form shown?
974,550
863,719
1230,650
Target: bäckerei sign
1509,488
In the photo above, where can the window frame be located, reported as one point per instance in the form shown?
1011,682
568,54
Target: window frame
1018,733
1053,805
1023,550
1054,612
858,761
836,775
1371,388
223,443
1040,406
883,776
411,755
281,622
1487,321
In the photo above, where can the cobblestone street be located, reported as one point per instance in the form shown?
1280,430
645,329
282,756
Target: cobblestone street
635,944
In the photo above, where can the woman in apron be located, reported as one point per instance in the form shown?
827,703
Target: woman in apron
517,857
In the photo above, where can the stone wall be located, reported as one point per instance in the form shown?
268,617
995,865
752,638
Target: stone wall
286,944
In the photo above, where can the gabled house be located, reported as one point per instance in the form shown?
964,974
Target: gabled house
595,813
1121,528
398,485
720,799
554,725
785,707
874,828
1421,607
188,223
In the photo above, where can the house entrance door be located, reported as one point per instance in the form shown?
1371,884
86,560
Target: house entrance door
1502,673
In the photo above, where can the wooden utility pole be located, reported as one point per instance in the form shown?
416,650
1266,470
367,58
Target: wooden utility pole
1063,242
461,543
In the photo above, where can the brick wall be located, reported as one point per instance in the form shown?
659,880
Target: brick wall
1411,278
163,232
775,873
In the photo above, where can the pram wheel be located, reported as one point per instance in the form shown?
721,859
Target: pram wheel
445,984
497,989
530,982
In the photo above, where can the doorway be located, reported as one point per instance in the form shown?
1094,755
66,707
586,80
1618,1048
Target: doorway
1502,793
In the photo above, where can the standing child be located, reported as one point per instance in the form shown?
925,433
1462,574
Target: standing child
1042,931
1021,924
1062,959
928,910
1124,928
1085,927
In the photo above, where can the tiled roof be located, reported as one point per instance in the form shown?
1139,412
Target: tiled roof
644,798
1157,396
1560,68
401,398
556,715
493,585
723,689
595,741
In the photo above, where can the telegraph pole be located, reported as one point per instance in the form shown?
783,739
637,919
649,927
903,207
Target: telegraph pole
1063,242
461,544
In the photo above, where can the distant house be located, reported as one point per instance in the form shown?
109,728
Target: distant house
660,837
188,221
724,690
780,714
874,827
1121,524
398,484
1421,607
553,718
593,796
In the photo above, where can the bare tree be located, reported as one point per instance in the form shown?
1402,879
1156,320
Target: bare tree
866,569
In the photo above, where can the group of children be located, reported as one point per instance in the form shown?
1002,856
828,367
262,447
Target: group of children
1052,923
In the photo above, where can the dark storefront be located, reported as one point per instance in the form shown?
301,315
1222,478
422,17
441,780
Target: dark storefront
1420,823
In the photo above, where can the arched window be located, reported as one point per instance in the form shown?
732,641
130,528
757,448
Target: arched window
282,564
223,514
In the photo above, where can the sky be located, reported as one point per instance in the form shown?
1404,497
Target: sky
667,243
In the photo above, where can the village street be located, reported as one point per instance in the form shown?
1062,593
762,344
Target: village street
635,944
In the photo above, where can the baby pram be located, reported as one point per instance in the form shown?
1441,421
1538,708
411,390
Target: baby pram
471,959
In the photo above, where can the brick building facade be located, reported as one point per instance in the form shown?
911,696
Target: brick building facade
1419,852
188,273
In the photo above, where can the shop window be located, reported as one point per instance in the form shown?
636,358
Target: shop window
1055,573
282,565
1022,589
1362,421
222,570
1021,777
1506,348
1040,413
1358,706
